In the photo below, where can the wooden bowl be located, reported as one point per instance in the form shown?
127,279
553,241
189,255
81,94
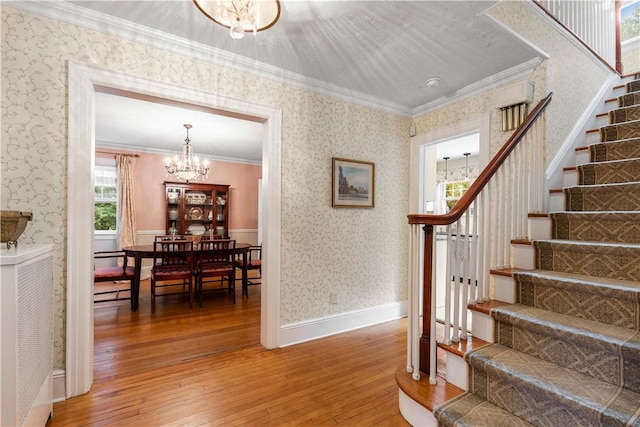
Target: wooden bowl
12,224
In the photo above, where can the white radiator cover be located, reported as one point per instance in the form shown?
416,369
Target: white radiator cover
26,335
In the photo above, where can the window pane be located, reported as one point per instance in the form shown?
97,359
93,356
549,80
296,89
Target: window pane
105,216
109,193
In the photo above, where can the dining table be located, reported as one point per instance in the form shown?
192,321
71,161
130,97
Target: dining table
140,252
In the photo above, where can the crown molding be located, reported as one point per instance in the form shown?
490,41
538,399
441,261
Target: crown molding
71,14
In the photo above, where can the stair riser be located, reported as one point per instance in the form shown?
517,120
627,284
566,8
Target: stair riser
513,397
629,99
599,360
583,156
617,197
633,86
556,201
523,256
619,150
611,262
622,115
567,298
605,228
609,173
570,178
539,228
457,371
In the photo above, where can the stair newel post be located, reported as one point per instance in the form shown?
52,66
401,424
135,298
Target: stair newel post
427,291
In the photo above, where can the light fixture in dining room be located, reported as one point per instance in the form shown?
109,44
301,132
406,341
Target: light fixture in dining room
446,169
187,166
241,16
466,167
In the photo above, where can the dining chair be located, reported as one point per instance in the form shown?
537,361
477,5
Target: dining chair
170,237
209,236
172,261
114,274
216,260
254,262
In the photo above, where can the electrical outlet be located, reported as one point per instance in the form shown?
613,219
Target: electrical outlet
333,298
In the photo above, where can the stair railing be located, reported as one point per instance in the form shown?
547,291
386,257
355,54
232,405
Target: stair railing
594,24
478,229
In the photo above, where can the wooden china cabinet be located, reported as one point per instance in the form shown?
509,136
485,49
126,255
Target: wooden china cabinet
197,208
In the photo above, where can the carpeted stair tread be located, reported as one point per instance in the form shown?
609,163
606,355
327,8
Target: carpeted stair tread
611,301
629,99
598,259
593,348
633,86
469,410
625,114
615,150
604,197
546,394
613,226
618,131
609,172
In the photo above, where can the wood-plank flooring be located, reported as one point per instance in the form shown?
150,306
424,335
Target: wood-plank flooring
205,367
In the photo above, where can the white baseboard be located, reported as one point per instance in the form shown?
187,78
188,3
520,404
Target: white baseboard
300,332
59,389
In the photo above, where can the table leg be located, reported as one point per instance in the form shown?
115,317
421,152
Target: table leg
245,278
135,285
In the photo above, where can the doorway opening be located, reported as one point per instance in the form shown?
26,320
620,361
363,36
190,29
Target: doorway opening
84,81
149,129
429,170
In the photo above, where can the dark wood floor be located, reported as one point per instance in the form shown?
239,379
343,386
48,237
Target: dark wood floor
206,367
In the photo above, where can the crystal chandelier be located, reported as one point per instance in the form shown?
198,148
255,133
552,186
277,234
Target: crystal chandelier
186,167
241,16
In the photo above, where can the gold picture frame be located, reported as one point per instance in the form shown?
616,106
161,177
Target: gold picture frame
352,183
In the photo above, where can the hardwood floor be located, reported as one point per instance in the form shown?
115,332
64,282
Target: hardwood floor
205,367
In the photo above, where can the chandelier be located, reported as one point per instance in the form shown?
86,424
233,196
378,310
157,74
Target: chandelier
186,167
241,16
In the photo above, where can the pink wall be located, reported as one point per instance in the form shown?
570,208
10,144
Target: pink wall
150,199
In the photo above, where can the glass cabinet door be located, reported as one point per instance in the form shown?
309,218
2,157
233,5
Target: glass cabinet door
220,220
196,211
174,217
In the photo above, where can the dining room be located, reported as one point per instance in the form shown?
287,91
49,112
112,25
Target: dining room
222,204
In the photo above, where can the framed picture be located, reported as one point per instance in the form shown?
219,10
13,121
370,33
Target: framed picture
353,183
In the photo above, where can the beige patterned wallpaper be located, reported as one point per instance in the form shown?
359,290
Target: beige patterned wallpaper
572,76
359,253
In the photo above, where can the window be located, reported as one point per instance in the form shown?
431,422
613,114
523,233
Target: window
453,191
105,198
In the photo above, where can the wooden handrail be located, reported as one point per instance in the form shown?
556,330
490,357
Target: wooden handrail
478,185
452,216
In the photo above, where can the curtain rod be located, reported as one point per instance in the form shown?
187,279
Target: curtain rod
111,152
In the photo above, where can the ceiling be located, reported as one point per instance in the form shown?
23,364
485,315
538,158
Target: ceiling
379,53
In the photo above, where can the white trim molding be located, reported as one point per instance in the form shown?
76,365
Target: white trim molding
308,330
566,153
83,82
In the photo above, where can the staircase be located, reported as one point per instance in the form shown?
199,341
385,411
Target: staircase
567,353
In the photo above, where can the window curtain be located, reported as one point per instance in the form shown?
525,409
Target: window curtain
126,207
